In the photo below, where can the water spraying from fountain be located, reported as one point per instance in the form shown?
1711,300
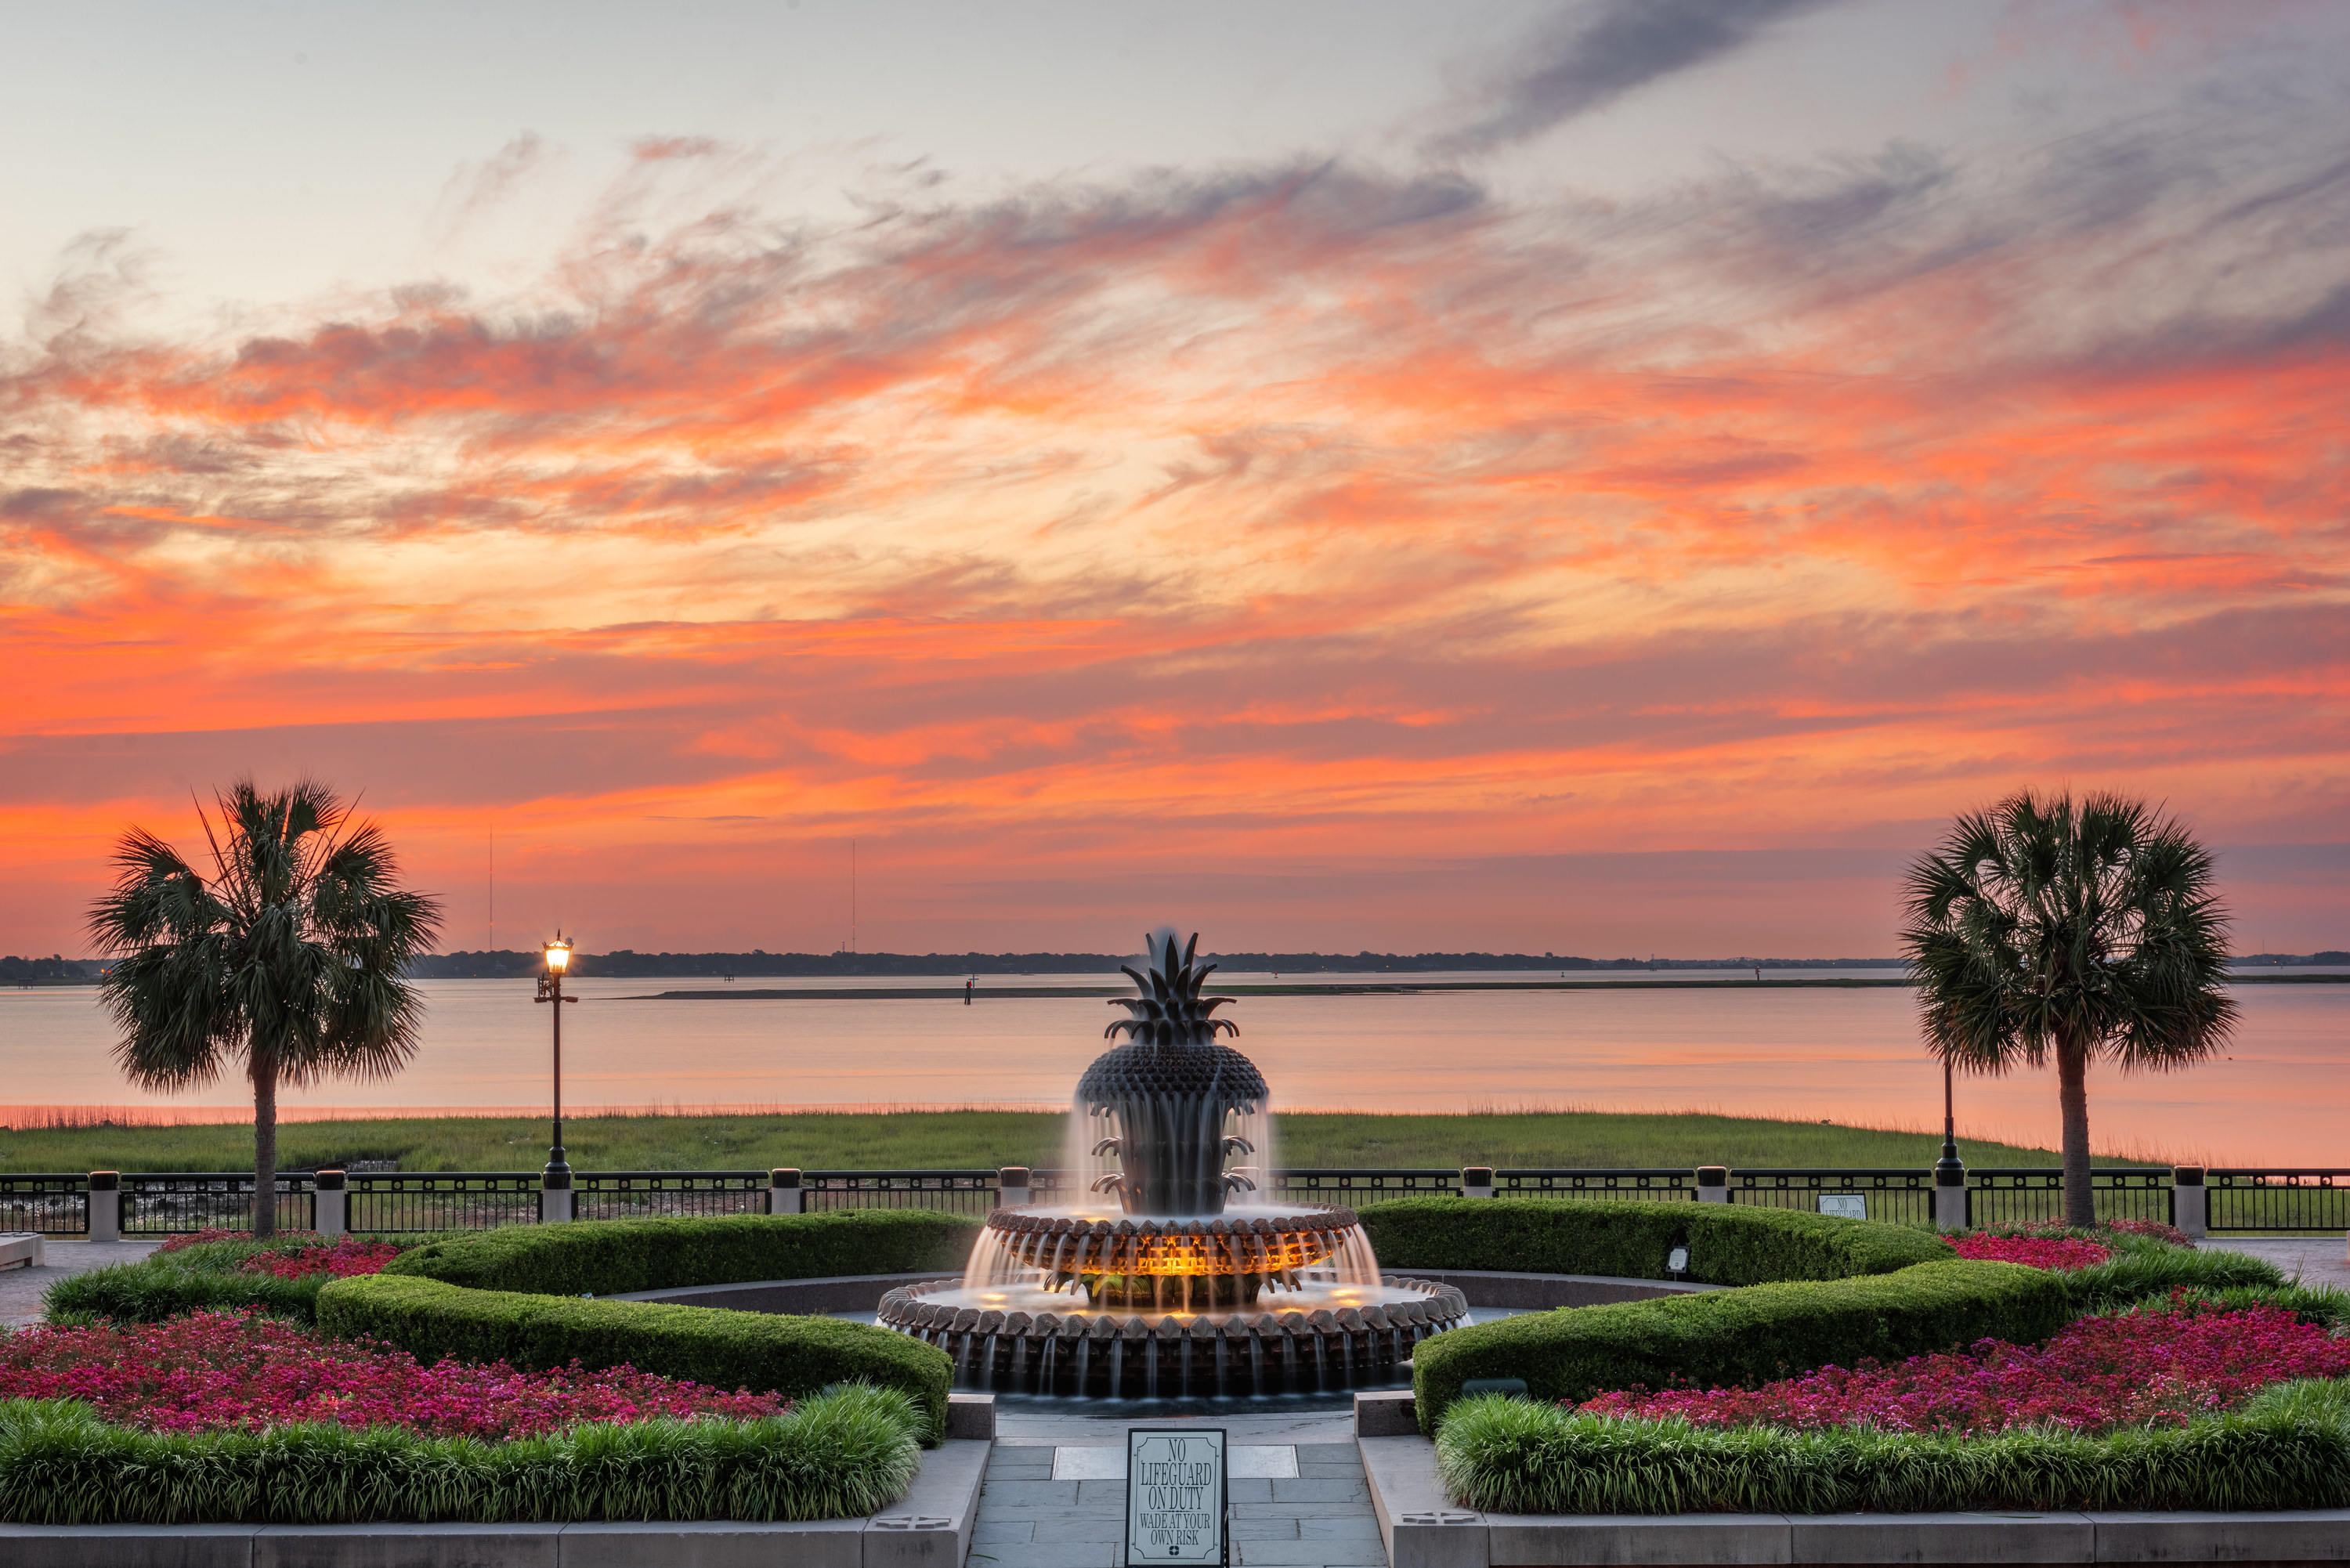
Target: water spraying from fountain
1173,1255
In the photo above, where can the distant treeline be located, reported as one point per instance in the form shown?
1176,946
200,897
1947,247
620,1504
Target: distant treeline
50,970
627,964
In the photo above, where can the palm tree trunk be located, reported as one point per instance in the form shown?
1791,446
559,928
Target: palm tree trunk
265,1147
2072,1095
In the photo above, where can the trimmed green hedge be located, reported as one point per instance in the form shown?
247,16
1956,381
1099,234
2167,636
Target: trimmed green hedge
831,1458
207,1277
2289,1448
1739,1336
155,1289
1728,1244
796,1357
617,1257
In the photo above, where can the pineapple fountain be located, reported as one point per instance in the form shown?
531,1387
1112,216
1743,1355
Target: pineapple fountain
1176,1277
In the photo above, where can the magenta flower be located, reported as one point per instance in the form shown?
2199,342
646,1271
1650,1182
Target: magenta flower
222,1371
2039,1252
2142,1368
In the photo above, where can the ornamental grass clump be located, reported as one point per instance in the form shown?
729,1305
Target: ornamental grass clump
246,1372
2157,1368
2289,1448
846,1453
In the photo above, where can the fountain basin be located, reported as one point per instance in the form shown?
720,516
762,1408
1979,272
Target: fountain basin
1320,1336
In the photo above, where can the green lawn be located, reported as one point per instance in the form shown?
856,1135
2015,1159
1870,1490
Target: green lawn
951,1140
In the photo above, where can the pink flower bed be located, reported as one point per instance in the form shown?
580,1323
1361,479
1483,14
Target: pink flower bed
2039,1252
215,1371
345,1258
2148,1367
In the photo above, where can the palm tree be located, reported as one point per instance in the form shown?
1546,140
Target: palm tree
292,954
2086,931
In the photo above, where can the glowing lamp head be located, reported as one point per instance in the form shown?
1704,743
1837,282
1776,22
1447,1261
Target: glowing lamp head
558,955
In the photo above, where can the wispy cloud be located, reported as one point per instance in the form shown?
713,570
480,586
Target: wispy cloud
1591,54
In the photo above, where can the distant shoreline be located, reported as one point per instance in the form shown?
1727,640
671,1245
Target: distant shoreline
1015,992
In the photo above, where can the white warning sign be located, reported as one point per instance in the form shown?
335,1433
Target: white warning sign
1175,1495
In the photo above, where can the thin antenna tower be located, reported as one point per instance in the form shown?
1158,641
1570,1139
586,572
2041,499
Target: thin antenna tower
852,895
493,887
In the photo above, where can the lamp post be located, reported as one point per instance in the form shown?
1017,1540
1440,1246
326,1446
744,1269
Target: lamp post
550,989
1949,1173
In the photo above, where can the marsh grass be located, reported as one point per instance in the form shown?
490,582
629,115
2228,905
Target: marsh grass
985,1139
845,1453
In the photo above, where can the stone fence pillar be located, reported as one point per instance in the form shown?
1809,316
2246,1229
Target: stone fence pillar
2191,1201
1713,1184
333,1213
106,1206
1477,1181
785,1195
1949,1196
1012,1187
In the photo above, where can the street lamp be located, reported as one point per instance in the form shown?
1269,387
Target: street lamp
550,989
1950,1160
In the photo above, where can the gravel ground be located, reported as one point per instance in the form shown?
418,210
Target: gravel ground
21,1289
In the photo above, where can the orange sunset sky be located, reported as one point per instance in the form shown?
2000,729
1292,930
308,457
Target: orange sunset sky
1600,478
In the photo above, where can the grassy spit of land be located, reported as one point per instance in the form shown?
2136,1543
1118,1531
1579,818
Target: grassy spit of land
972,1140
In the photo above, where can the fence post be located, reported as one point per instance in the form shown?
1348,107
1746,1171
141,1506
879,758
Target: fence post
333,1204
1012,1187
783,1193
1950,1195
2191,1201
106,1206
555,1204
1477,1181
1713,1184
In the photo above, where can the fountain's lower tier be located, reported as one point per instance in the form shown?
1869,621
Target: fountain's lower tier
1255,1302
1321,1338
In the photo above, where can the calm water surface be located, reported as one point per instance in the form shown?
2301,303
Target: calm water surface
2280,1096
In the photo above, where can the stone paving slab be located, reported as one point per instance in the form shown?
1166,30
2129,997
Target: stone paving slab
1315,1512
21,1289
2318,1260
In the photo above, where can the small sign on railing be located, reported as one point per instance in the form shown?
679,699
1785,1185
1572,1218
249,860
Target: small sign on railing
1177,1496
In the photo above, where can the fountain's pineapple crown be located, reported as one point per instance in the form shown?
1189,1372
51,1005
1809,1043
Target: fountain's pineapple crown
1173,1049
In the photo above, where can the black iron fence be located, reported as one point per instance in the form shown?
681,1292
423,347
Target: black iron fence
1354,1186
1903,1197
180,1203
2028,1197
2277,1200
48,1205
646,1194
1613,1185
2239,1202
405,1203
954,1191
